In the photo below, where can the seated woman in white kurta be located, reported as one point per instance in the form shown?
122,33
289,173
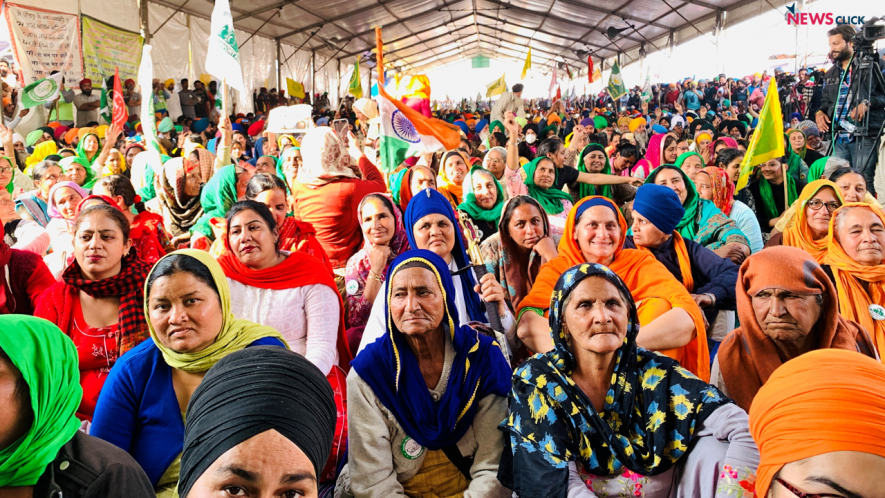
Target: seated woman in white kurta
290,291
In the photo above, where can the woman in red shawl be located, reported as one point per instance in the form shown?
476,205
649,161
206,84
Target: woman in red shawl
149,236
99,303
295,235
23,277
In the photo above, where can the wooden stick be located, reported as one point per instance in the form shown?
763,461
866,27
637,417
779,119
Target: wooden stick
786,189
224,102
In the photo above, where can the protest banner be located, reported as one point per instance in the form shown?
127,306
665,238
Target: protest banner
106,48
49,40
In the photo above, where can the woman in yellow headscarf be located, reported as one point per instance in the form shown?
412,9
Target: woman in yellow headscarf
811,221
143,402
856,257
450,181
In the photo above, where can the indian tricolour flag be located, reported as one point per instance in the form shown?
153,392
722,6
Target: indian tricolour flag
407,133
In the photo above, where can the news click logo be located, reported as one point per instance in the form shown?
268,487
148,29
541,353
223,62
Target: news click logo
794,18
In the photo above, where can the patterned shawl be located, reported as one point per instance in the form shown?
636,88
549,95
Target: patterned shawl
325,158
179,215
647,424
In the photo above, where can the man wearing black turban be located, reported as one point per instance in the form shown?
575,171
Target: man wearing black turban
261,417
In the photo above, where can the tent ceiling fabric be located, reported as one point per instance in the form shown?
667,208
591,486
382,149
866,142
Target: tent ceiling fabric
423,34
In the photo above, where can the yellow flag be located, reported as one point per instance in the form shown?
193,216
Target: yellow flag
295,89
205,78
356,85
768,139
528,63
496,87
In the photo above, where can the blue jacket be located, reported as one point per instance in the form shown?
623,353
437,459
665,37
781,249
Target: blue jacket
138,411
711,273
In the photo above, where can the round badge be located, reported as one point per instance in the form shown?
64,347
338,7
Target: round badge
352,287
411,449
877,312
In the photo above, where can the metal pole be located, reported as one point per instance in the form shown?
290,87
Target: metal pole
338,81
313,76
145,30
280,67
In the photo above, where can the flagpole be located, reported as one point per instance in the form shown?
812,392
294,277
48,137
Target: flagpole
379,56
786,188
224,97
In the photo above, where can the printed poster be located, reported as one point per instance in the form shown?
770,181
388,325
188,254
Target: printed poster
106,48
49,40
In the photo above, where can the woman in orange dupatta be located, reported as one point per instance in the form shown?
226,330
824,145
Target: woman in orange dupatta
680,335
814,208
450,181
856,256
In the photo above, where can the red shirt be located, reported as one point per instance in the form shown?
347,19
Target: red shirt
331,209
97,352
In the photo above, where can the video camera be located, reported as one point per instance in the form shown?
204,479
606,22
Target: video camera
872,30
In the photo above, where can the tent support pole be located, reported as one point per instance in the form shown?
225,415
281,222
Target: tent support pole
280,68
143,14
313,75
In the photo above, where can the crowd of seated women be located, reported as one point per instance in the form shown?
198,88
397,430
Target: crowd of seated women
595,320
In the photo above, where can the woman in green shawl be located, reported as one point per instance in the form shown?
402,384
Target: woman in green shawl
88,147
702,222
39,437
537,179
593,159
691,163
483,201
9,185
798,144
226,187
288,163
768,192
77,170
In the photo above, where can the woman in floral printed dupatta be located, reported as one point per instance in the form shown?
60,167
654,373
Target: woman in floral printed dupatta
599,416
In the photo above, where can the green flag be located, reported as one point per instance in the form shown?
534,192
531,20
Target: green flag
768,139
41,91
356,85
105,108
616,87
646,89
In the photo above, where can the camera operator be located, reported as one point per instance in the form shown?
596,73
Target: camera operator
836,106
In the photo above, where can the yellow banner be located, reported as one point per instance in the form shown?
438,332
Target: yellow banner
106,48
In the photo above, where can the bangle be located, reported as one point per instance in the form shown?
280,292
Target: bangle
374,275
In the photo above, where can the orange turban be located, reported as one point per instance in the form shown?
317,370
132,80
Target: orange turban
554,118
69,136
823,401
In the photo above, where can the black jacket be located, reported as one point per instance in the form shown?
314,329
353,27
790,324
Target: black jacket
87,467
833,78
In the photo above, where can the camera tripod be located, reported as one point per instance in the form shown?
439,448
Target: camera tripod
866,73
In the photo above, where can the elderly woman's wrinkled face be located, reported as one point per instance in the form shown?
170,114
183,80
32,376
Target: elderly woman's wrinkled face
596,317
435,233
484,189
598,234
268,464
417,305
703,143
813,142
526,227
114,163
66,200
495,163
645,233
595,161
77,173
704,184
185,312
818,211
836,473
853,187
691,165
16,415
862,235
785,316
671,179
193,180
50,177
456,169
422,178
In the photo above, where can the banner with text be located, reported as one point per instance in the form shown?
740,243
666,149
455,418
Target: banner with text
106,47
49,40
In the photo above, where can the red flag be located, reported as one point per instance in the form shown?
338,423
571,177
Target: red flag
590,70
120,113
558,93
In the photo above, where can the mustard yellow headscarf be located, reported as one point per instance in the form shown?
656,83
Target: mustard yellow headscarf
236,334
